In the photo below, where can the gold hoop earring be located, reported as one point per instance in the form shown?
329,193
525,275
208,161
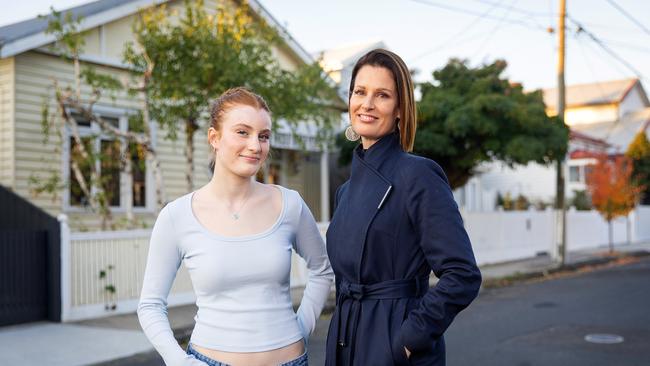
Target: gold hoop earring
351,134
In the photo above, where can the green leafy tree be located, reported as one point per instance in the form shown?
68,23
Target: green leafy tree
468,116
581,200
639,153
197,56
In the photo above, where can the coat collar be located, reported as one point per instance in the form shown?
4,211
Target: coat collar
380,152
368,188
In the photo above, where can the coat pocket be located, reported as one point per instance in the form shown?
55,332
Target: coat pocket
397,348
398,316
435,356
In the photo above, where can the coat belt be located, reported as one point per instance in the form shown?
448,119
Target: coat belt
355,292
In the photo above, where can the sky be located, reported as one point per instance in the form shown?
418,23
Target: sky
606,39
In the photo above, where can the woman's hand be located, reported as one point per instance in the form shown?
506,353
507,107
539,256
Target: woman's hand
408,353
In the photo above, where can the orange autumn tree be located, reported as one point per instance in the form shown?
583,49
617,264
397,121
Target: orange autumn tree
612,189
639,153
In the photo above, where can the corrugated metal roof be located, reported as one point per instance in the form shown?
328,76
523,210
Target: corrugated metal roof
19,37
15,31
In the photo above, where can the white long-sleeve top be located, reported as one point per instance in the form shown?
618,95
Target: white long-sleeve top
241,283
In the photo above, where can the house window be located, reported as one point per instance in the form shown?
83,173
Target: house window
574,174
109,164
579,171
77,197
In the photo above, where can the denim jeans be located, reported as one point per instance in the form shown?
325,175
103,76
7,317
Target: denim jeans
300,361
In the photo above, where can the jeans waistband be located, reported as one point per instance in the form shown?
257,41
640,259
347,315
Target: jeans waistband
300,361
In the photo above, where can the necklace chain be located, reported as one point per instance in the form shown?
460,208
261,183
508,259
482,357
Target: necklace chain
235,215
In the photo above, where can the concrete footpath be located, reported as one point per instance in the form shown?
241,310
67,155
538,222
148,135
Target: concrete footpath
108,340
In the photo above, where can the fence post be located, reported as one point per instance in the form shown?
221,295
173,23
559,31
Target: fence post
66,270
631,228
552,219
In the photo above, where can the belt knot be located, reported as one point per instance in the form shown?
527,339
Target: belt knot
353,290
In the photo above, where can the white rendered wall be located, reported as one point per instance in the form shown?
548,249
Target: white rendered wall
642,223
506,236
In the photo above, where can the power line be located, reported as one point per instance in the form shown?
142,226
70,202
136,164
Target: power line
605,48
456,35
502,19
531,14
534,15
609,60
496,27
471,12
598,84
626,45
628,16
590,67
611,27
517,10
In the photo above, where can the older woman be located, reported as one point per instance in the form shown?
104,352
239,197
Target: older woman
394,223
235,236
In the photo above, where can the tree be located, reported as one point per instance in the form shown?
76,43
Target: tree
581,200
118,154
468,116
639,152
612,191
522,203
200,55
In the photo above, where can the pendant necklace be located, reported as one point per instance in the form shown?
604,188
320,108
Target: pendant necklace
235,215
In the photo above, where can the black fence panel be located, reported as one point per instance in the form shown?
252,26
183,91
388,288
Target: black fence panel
30,261
23,285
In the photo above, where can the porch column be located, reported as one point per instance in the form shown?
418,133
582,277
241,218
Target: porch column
324,187
66,268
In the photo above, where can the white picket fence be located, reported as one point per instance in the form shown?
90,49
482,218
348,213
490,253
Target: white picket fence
122,256
496,237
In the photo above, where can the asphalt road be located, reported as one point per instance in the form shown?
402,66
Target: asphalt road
543,323
546,323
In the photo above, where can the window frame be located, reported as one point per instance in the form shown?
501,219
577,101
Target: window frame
581,165
126,184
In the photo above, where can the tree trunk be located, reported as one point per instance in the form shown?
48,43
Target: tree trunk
190,128
128,171
611,236
157,173
151,152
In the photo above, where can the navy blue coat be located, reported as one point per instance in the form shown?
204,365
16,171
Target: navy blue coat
394,222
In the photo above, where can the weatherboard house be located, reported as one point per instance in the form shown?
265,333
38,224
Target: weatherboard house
27,66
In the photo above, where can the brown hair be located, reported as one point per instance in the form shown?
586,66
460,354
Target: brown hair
229,99
405,99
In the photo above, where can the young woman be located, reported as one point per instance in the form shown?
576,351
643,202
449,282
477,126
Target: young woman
235,235
394,223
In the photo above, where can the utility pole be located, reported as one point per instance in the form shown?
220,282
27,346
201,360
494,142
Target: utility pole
559,194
